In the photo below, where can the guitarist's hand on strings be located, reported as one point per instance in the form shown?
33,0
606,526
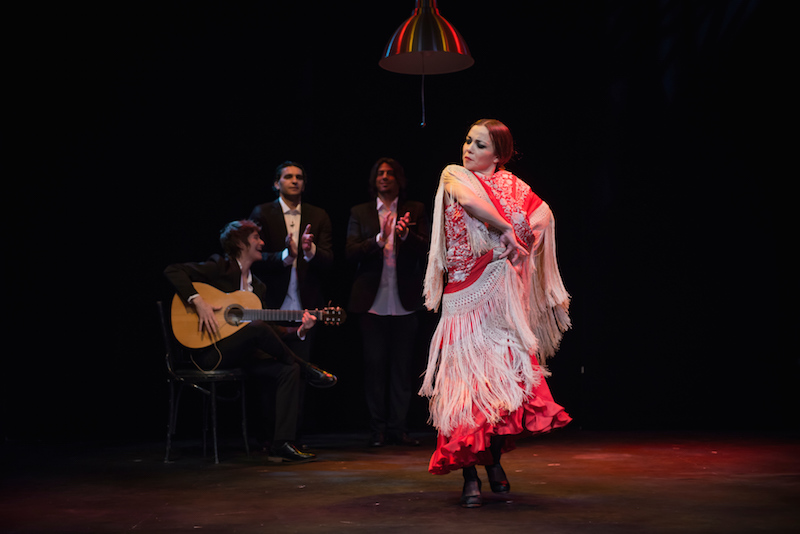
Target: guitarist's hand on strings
308,323
207,320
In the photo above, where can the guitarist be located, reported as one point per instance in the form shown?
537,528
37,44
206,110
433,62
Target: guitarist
257,347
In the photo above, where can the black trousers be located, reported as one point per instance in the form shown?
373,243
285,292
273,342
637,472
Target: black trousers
388,367
270,366
303,349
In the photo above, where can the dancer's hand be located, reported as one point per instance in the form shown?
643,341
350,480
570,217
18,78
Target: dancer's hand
514,250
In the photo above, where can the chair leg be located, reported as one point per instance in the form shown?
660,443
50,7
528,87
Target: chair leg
244,422
170,419
206,400
175,391
214,420
209,412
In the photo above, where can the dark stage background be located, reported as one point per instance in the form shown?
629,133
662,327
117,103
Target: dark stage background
654,129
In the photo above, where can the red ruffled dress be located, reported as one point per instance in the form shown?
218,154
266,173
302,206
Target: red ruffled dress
478,367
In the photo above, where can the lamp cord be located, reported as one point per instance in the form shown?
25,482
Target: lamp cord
423,123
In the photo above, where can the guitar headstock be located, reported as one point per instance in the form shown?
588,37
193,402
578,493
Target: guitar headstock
333,316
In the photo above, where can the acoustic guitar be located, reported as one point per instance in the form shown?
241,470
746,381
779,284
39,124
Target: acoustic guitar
237,309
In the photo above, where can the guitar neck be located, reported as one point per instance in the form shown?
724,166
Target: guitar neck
277,315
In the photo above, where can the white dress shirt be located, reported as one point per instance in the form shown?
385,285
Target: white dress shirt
292,219
387,301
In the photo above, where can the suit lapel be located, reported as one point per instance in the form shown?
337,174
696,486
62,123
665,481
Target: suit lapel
372,216
278,221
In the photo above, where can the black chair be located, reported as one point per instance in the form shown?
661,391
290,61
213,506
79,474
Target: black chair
181,374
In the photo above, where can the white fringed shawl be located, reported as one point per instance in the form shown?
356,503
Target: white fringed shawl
480,352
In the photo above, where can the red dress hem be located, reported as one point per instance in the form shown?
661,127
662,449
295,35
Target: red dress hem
468,446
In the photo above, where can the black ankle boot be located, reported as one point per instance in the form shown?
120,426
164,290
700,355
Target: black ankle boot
497,478
471,494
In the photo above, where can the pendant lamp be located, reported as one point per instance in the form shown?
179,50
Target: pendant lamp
426,44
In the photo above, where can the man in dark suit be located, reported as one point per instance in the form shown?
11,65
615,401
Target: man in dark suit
258,347
297,253
297,242
387,243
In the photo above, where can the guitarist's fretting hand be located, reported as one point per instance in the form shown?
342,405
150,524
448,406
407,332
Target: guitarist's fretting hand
308,323
206,315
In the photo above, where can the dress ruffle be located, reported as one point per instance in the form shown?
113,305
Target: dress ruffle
468,446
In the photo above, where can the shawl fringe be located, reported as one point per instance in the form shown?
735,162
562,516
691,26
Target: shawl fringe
548,299
479,356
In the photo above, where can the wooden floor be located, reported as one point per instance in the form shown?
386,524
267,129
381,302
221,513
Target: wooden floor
571,481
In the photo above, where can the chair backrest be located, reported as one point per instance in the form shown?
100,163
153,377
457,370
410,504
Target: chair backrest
175,354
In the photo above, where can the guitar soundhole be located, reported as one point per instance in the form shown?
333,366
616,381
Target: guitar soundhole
234,314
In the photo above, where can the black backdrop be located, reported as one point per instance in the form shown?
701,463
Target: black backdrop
652,128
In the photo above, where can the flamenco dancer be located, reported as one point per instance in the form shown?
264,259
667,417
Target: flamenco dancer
492,267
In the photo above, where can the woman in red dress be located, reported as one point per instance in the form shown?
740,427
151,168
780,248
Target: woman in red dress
492,268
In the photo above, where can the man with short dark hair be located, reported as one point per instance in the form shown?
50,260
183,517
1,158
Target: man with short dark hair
297,252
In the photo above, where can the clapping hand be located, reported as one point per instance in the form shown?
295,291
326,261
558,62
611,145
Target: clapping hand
307,240
386,229
306,243
401,228
291,246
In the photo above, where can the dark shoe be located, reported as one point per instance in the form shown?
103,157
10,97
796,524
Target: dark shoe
377,440
403,439
318,378
497,479
471,494
289,453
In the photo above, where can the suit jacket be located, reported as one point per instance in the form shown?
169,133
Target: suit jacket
218,271
310,275
364,253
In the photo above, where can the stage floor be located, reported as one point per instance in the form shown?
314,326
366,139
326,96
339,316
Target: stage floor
571,481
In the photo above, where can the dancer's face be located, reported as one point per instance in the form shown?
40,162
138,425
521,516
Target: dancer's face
478,153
